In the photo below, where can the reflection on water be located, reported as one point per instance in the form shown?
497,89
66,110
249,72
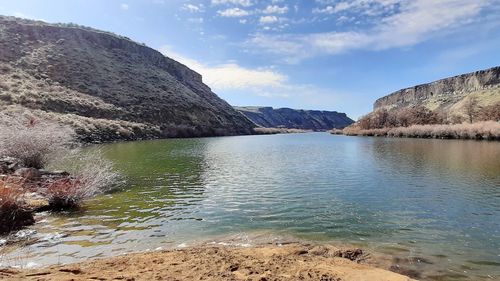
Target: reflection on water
433,204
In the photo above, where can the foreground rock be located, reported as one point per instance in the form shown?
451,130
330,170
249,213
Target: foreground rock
290,262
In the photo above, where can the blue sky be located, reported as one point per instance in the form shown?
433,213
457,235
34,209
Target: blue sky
312,54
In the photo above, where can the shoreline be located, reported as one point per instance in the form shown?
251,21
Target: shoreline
284,261
484,130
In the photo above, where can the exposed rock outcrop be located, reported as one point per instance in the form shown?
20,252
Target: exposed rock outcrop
317,120
447,94
106,86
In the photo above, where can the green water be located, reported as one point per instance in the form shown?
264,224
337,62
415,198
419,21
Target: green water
432,205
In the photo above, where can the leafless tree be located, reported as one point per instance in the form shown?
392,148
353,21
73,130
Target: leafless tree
471,108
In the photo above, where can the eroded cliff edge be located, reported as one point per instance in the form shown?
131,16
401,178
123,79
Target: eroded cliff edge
447,95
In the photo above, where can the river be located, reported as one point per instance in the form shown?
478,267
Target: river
432,205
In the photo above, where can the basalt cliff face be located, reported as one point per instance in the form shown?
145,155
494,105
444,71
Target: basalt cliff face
106,86
317,120
448,95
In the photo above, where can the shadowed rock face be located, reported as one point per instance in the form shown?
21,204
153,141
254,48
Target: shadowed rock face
113,87
444,94
295,118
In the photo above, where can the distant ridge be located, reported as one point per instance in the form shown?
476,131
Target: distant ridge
317,120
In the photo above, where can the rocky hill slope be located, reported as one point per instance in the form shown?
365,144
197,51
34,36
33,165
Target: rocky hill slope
448,95
317,120
106,86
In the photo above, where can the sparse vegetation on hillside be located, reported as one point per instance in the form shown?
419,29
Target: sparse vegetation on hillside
105,86
490,112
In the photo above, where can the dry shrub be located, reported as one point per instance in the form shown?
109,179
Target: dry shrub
14,213
91,174
65,193
357,131
273,131
488,130
336,132
383,118
33,141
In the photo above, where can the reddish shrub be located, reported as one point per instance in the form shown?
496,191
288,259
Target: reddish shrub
65,193
13,211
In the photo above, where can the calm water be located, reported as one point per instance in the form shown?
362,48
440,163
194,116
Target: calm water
432,204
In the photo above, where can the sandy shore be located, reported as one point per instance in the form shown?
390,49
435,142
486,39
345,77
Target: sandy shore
294,261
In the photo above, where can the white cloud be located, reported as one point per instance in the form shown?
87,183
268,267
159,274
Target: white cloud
193,8
274,9
268,83
244,3
230,75
415,21
243,21
124,6
268,19
332,9
233,13
370,7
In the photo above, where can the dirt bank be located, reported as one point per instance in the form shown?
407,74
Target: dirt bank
288,262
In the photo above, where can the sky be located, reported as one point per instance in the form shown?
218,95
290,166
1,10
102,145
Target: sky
307,54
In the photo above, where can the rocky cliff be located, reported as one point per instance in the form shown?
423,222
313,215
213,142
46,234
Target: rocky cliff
448,94
106,86
317,120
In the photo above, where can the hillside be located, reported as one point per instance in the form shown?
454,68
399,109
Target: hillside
317,120
106,86
461,107
448,95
